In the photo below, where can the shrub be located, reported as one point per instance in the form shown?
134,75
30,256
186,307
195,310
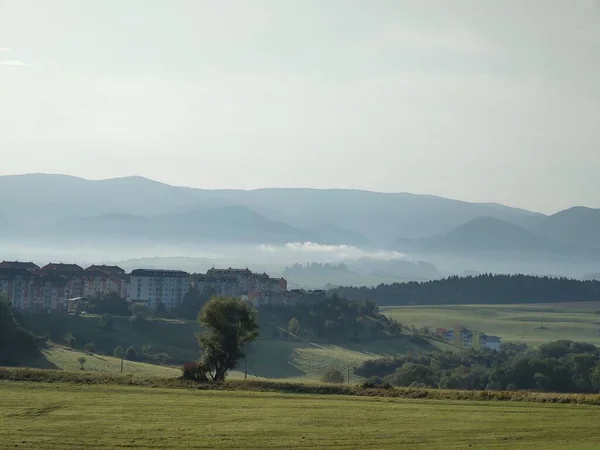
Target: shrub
195,372
333,376
131,354
118,352
81,360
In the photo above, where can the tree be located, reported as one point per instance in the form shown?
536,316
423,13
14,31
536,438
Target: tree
130,353
81,360
118,352
90,348
229,325
192,303
294,326
111,303
15,342
595,378
106,322
332,376
70,340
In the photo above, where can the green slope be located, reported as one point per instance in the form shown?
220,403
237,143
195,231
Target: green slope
514,323
281,359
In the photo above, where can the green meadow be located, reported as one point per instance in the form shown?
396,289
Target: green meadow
70,416
530,324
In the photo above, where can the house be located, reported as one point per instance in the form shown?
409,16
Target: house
29,266
492,342
154,287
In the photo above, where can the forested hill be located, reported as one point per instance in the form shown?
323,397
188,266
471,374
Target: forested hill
481,289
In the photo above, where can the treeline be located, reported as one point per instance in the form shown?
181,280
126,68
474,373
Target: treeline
561,366
481,289
331,318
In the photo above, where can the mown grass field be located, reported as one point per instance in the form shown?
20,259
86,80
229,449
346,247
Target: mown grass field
513,323
63,416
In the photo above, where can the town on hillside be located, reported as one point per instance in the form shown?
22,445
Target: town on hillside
53,287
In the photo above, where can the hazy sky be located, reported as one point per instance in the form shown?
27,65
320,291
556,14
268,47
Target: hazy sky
481,100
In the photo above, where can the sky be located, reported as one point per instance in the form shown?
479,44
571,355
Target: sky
478,100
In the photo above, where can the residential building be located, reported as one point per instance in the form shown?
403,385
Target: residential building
63,268
16,284
158,286
237,282
48,294
29,266
104,280
492,343
110,270
71,273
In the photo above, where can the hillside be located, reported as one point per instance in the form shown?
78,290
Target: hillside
484,235
577,227
268,358
228,224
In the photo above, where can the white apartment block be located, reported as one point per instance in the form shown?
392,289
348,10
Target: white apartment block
158,286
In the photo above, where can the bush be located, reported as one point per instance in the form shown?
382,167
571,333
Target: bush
131,354
333,376
118,352
194,372
81,360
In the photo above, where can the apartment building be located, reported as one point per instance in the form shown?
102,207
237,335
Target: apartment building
101,279
29,266
48,294
71,273
33,292
237,282
158,286
16,284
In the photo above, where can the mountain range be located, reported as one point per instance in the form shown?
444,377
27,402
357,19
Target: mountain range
69,210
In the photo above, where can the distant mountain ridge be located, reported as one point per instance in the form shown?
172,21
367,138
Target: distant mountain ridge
47,206
482,235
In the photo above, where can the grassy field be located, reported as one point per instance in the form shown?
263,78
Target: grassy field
62,358
513,323
63,416
308,361
278,359
270,359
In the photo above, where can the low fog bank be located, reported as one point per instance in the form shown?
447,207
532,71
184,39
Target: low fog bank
305,264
